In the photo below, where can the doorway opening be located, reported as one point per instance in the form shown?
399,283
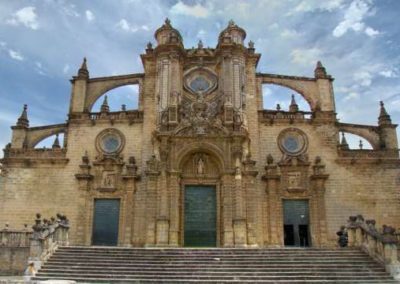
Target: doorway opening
200,216
296,226
105,222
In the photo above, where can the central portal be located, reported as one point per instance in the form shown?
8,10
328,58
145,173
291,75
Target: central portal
200,216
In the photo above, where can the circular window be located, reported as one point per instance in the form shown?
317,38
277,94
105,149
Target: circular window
110,141
292,141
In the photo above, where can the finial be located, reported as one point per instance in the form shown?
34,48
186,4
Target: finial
104,106
278,107
251,44
149,46
23,119
320,71
293,105
83,71
360,144
231,23
270,159
56,144
200,44
343,143
384,117
167,21
123,107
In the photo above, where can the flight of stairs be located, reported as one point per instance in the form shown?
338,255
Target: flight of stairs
181,265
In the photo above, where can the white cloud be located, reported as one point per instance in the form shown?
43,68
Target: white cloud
354,19
196,11
290,34
89,16
201,33
364,78
388,73
371,32
66,68
351,96
25,16
306,56
312,5
123,24
15,55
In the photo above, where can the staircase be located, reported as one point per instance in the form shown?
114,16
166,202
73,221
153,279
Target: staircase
181,265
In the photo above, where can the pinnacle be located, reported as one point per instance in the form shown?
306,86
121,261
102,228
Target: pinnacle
23,119
104,106
293,105
343,144
384,117
83,72
56,143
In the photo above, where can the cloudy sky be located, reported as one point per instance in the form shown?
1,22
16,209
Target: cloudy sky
42,43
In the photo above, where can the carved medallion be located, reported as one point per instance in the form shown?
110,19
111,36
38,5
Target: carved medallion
200,80
110,141
292,141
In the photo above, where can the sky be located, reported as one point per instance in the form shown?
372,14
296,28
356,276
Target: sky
42,43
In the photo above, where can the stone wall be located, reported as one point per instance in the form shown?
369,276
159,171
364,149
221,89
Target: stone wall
13,260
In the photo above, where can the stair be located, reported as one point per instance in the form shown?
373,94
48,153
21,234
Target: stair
219,265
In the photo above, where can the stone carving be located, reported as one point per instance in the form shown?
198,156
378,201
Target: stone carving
200,166
108,179
294,180
200,117
153,165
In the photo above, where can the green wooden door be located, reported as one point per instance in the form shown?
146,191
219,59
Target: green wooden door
200,216
105,222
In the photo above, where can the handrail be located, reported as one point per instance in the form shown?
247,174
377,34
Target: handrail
47,236
15,238
379,244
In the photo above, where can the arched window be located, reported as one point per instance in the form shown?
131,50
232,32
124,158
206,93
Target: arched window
51,142
125,97
274,94
354,142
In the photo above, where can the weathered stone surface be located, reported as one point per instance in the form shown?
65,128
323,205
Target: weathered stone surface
210,131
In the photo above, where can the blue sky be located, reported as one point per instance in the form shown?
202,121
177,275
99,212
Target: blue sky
42,43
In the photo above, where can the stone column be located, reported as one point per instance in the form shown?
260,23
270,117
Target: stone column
227,218
318,180
162,223
272,179
174,228
130,179
239,220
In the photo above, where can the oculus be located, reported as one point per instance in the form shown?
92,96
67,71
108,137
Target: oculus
200,80
110,141
292,141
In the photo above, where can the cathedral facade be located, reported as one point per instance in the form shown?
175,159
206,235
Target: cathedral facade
201,162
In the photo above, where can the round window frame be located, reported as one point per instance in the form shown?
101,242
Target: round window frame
299,134
112,132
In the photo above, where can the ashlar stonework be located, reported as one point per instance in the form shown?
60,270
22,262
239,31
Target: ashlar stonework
201,124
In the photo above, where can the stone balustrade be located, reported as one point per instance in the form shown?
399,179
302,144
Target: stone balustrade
15,238
47,236
379,244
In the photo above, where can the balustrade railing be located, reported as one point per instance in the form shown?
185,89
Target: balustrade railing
15,238
47,236
379,244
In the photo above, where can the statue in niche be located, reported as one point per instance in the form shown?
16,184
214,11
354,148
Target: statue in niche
200,166
108,180
294,180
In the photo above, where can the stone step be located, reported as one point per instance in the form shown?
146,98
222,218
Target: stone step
210,261
199,272
137,280
172,265
212,266
217,277
157,269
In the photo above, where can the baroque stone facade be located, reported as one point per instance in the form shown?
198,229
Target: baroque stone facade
201,123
